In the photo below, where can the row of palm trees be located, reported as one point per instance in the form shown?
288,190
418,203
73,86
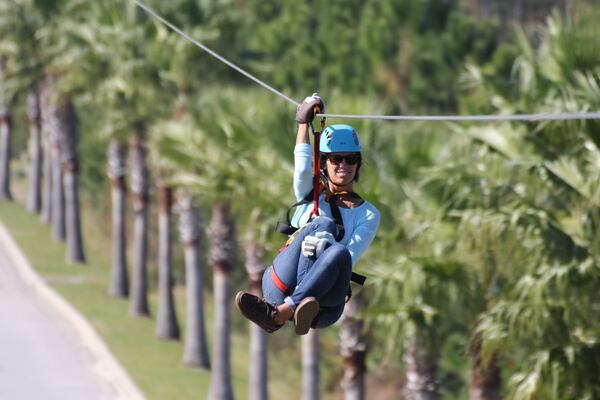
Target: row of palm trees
117,66
492,240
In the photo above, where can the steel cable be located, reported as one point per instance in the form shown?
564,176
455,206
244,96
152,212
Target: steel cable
438,118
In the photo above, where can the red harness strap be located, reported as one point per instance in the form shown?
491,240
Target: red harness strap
316,166
316,177
278,282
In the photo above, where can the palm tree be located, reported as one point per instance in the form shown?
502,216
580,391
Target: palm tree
222,257
261,215
311,355
167,326
57,67
416,304
56,196
416,309
20,26
353,348
140,185
121,55
46,211
58,192
25,27
499,228
34,196
168,160
190,228
58,115
487,255
119,282
183,86
218,156
485,381
102,54
258,370
70,168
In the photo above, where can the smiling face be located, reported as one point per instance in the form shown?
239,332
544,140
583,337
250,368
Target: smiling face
341,169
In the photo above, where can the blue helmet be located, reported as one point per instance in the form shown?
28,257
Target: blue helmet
339,139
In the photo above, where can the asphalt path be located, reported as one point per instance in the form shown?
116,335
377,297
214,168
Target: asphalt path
41,356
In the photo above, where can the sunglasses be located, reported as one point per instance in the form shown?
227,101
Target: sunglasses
350,159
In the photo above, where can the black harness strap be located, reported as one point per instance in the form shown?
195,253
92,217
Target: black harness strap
337,217
286,227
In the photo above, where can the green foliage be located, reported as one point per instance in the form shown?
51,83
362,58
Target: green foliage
92,155
411,51
21,24
524,200
487,231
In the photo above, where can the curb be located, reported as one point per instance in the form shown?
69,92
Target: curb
107,365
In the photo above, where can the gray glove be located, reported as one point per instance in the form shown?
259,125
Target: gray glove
306,109
314,246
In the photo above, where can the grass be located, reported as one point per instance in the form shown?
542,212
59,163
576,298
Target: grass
155,366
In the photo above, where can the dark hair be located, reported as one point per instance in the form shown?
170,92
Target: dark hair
323,163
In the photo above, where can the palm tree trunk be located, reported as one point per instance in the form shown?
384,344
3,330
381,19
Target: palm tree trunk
167,326
119,281
220,384
47,190
195,347
70,168
421,367
34,195
46,214
5,140
258,369
310,366
222,258
5,155
51,119
58,195
353,348
138,305
75,253
485,380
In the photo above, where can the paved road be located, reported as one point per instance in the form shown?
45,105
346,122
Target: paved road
41,357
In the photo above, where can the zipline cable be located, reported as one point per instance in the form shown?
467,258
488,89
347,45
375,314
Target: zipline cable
439,118
480,118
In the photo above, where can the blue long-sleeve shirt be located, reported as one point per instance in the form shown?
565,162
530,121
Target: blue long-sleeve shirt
360,223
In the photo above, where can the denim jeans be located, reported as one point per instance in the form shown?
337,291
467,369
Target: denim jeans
327,278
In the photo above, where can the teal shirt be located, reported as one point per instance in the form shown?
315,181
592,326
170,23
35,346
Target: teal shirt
360,223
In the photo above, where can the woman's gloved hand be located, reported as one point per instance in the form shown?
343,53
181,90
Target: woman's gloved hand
314,245
306,110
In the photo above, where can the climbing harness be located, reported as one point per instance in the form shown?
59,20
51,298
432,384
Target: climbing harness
287,228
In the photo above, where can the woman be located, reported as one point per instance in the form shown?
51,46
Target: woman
309,279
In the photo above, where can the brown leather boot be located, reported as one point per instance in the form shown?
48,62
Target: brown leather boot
258,311
305,313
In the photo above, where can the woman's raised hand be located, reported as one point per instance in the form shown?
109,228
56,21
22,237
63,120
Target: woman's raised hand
307,109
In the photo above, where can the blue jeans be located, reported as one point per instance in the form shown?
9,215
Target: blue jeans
327,278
